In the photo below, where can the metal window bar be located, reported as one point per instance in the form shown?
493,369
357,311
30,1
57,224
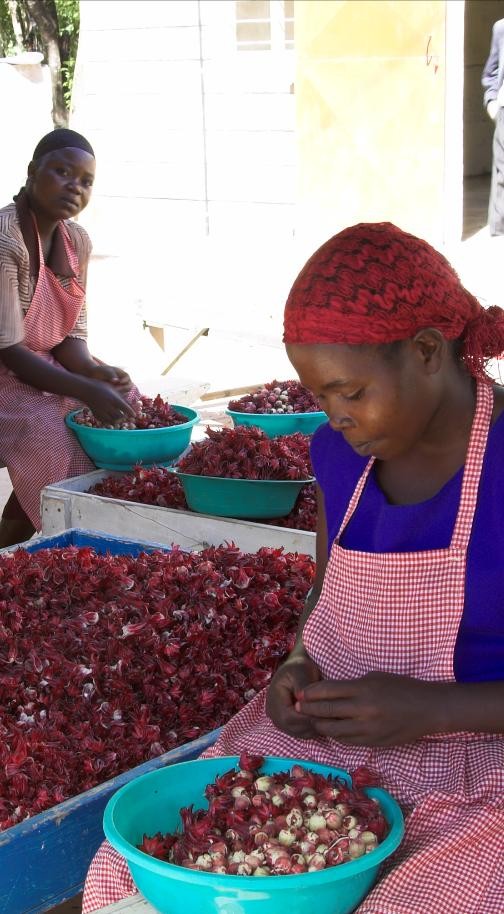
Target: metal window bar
280,40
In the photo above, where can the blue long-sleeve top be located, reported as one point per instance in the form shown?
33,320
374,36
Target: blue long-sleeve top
378,526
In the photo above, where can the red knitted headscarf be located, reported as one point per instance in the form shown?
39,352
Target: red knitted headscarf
373,283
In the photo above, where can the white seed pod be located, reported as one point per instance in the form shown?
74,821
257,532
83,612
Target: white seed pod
356,849
307,848
238,791
262,871
276,854
255,859
317,862
316,821
263,783
350,822
295,818
245,775
368,838
237,857
286,837
288,790
204,862
342,808
333,819
244,869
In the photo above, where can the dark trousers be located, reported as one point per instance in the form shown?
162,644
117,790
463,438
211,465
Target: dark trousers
496,205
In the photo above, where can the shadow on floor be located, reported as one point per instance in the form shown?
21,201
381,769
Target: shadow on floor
475,207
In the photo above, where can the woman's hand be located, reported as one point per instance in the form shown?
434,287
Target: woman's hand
287,685
105,402
379,709
119,378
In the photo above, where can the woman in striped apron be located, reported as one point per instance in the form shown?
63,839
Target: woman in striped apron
45,366
399,664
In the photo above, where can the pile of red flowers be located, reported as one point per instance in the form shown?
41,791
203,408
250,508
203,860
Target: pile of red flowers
149,413
149,486
304,513
277,397
107,661
158,486
290,822
246,452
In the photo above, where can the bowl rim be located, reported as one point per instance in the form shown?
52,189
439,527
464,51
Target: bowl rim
336,873
70,422
296,482
280,416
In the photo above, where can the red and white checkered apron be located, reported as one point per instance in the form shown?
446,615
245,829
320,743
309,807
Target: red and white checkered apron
35,444
396,613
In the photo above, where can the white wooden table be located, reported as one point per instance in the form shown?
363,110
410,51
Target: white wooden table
136,904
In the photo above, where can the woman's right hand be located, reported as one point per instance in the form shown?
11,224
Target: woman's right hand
283,691
105,402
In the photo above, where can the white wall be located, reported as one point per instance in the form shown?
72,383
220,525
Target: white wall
192,136
25,108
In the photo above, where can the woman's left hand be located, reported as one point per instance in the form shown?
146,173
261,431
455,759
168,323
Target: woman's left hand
116,376
379,709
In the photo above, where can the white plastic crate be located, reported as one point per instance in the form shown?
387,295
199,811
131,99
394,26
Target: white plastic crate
69,504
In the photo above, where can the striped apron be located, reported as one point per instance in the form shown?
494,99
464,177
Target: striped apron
397,613
35,444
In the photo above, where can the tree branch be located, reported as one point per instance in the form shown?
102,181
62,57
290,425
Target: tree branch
45,17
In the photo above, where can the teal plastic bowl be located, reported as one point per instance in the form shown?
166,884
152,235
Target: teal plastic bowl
151,804
241,498
275,424
122,449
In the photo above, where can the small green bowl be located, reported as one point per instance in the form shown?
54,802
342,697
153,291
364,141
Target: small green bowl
241,498
123,449
275,424
151,804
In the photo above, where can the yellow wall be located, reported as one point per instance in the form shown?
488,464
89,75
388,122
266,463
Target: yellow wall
370,95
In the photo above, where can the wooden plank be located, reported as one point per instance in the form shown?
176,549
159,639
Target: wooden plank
202,332
187,529
136,904
230,392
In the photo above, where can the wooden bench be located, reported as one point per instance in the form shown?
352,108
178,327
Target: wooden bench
175,340
135,904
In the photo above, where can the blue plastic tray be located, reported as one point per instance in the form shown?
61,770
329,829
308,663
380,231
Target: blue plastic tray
44,860
101,542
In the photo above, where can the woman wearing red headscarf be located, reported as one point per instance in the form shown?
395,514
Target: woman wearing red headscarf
399,664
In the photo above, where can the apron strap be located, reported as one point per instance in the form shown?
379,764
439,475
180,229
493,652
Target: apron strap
69,248
472,471
355,498
473,465
73,260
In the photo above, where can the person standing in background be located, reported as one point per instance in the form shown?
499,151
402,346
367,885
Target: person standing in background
493,98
